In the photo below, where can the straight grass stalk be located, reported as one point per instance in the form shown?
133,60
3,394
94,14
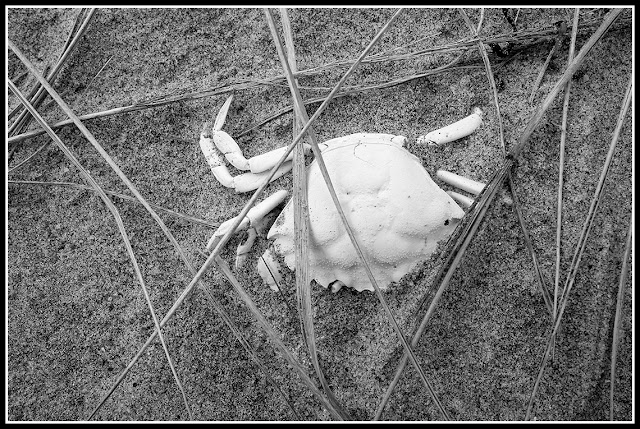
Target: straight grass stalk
582,241
300,208
617,324
114,211
466,229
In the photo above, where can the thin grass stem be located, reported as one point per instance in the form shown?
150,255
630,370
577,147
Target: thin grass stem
458,244
28,158
114,211
182,216
512,187
543,69
525,39
582,242
617,324
113,165
363,259
271,332
572,67
563,139
466,229
300,208
40,95
149,209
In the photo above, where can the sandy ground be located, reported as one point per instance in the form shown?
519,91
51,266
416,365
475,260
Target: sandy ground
77,316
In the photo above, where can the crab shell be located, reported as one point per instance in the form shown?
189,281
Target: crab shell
397,212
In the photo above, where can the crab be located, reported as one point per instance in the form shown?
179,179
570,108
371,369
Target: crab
398,213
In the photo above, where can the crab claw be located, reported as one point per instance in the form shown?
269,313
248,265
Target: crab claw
222,114
216,142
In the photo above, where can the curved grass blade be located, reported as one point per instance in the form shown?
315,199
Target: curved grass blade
118,220
301,216
361,256
28,158
582,241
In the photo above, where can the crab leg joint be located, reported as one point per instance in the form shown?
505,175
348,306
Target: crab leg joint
254,216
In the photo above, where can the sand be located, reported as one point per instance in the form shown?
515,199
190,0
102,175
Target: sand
77,316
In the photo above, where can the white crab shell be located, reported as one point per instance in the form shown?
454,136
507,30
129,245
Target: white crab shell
396,210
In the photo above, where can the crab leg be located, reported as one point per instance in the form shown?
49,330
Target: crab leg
232,152
464,201
251,219
453,132
266,161
461,182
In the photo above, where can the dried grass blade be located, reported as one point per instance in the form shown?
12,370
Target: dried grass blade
582,240
23,119
143,202
114,211
361,256
273,335
355,90
543,69
563,139
94,142
525,39
516,202
223,241
300,197
183,216
456,247
572,67
301,221
542,284
32,92
230,324
618,319
489,73
466,229
28,158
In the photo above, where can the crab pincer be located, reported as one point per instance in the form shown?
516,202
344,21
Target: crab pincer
218,146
